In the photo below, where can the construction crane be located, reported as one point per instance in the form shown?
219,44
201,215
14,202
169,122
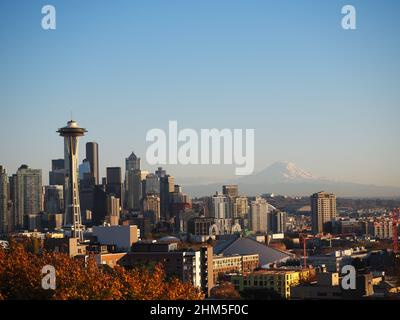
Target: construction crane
304,238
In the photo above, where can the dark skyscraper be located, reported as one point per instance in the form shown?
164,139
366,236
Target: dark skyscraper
99,205
166,188
57,173
114,182
133,183
92,155
132,162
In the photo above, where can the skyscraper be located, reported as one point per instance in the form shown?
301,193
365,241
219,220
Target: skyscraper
4,193
73,218
152,184
114,182
160,172
179,202
277,221
221,213
57,173
240,208
133,183
230,190
166,188
53,199
220,205
113,210
92,155
151,208
26,194
259,215
323,210
132,162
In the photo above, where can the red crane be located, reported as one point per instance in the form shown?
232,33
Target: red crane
304,238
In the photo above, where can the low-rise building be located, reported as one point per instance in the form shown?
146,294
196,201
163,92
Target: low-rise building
123,237
70,246
278,280
328,287
188,265
241,264
109,259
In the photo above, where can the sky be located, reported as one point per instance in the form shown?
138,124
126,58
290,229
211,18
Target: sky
325,98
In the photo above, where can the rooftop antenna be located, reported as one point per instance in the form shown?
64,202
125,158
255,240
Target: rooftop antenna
71,115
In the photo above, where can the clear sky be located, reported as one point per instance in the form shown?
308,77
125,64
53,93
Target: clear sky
317,95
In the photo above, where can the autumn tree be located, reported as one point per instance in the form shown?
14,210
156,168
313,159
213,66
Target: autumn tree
225,291
83,279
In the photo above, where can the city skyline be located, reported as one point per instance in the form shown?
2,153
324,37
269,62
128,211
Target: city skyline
227,152
291,73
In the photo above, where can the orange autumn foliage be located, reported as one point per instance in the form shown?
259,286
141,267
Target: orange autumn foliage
21,278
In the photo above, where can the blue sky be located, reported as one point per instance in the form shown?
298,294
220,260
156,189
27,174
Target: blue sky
322,97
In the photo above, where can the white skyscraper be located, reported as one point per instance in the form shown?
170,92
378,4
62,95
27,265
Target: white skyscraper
259,215
220,206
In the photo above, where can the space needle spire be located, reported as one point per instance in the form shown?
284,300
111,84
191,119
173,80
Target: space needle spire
72,216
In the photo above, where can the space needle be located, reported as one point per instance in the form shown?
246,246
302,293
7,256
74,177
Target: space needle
72,216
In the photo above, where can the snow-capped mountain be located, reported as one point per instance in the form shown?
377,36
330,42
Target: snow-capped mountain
280,172
286,178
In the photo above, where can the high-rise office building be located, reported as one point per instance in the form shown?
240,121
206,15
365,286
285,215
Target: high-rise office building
113,206
92,156
160,172
240,208
53,199
151,208
113,210
179,202
219,206
259,215
152,184
166,188
86,197
277,221
323,210
114,182
230,190
4,194
84,170
57,173
133,183
72,219
26,194
132,162
220,211
99,205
